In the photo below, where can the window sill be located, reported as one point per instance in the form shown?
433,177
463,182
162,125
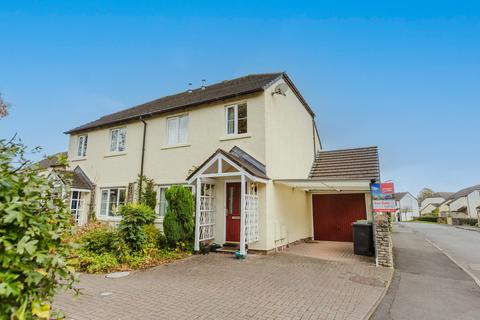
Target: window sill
173,146
79,159
109,218
235,136
115,154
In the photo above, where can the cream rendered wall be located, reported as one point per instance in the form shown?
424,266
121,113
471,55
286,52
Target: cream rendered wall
458,203
290,152
434,200
473,200
167,164
289,215
409,207
290,136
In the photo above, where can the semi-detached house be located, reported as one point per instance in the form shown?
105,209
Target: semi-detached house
250,151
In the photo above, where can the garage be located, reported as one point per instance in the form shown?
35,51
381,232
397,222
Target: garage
333,215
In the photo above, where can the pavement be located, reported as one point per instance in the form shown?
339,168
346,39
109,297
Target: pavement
286,285
427,284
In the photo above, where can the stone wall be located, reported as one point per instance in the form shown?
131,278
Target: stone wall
383,240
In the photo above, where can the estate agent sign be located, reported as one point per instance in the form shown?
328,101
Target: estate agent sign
382,195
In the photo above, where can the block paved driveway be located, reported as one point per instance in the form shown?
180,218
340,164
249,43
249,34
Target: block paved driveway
216,286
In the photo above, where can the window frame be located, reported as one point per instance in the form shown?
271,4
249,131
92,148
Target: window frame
167,129
118,203
235,118
117,144
82,145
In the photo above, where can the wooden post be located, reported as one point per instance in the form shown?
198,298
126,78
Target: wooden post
242,216
198,191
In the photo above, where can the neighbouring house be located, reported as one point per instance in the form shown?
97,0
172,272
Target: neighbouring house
250,151
407,206
72,185
463,204
432,202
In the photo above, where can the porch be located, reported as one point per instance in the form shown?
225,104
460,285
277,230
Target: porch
229,191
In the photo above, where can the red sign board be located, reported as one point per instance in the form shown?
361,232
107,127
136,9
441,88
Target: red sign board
387,188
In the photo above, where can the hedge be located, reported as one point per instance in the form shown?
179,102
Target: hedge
426,219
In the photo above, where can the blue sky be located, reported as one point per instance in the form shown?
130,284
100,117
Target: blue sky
403,75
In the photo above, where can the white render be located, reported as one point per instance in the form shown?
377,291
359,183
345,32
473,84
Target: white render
407,208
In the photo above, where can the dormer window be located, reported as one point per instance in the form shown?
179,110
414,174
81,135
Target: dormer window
118,137
82,146
236,119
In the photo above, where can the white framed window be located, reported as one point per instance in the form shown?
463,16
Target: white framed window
118,137
76,205
112,199
177,130
236,118
162,201
82,145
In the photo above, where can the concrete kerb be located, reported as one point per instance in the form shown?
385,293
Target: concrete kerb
380,298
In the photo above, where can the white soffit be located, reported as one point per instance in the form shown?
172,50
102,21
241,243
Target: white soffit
326,185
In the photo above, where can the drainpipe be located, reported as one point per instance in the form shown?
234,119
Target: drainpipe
143,158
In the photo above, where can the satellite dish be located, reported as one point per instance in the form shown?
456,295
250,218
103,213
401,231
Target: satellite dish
281,88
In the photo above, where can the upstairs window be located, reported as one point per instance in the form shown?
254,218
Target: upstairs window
117,139
236,119
112,199
82,146
177,130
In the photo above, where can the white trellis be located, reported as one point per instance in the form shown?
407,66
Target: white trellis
251,213
207,212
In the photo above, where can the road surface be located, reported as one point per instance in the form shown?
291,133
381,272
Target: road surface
426,283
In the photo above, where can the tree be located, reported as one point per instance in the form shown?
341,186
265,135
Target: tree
3,107
34,226
424,193
146,193
178,224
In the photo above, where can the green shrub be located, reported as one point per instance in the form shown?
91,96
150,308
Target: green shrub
34,228
146,191
131,227
153,236
465,221
178,224
95,263
426,219
98,239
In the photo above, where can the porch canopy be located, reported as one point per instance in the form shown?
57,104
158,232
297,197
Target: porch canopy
235,163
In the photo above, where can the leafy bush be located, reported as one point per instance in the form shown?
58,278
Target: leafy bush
103,262
99,239
464,221
178,224
426,219
146,191
131,227
34,226
153,236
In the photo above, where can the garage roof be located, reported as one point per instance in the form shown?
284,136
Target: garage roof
347,164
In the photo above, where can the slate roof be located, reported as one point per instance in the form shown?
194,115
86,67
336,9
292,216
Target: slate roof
51,161
75,178
242,159
358,163
464,192
399,195
444,195
215,92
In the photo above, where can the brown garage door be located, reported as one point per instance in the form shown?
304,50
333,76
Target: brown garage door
333,215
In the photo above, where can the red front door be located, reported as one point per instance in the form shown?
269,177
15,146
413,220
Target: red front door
233,212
